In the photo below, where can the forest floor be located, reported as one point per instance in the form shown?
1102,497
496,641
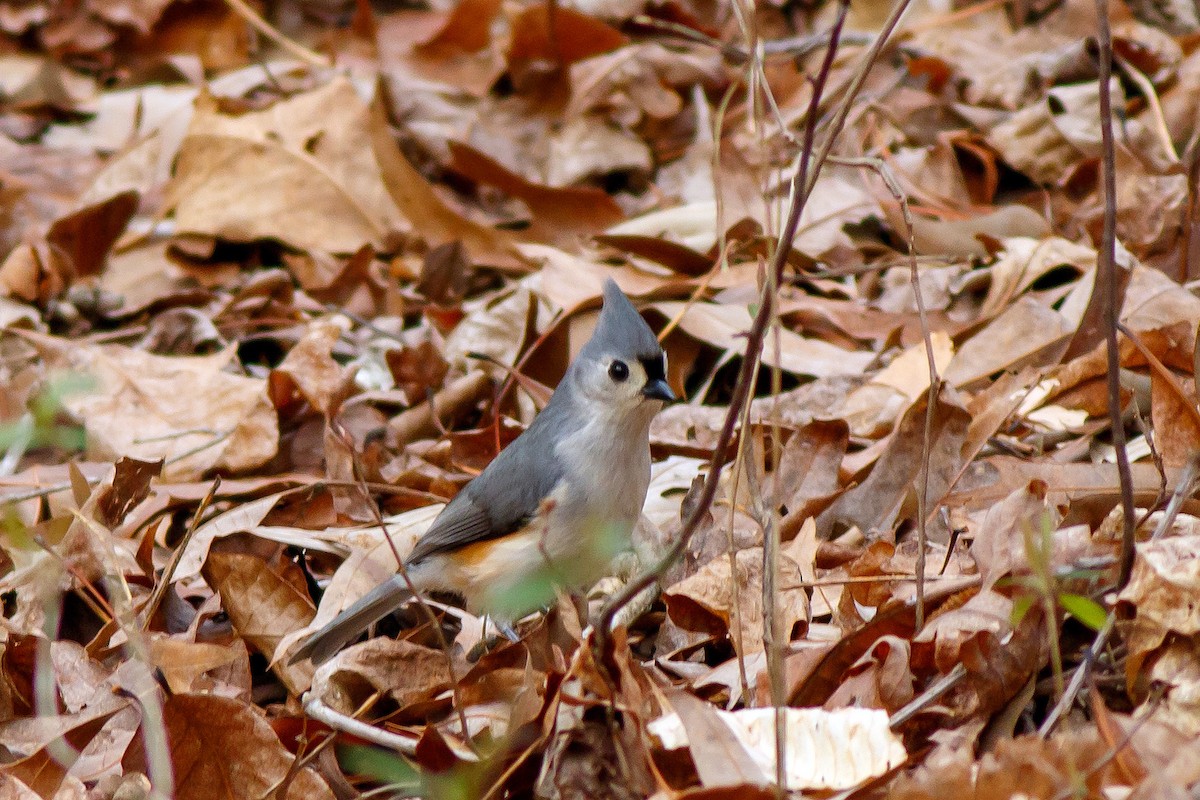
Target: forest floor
278,279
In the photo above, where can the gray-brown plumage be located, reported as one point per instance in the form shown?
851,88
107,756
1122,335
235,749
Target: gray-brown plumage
579,472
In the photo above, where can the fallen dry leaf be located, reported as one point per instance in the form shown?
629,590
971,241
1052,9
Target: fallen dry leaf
345,682
210,740
1162,593
137,408
298,172
340,267
715,601
816,740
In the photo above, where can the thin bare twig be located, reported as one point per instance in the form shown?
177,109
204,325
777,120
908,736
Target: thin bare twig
801,187
737,624
767,514
1183,489
316,709
790,47
1076,683
164,582
1106,277
935,384
931,693
254,20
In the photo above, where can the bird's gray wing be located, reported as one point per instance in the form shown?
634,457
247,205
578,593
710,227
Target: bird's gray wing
460,523
505,496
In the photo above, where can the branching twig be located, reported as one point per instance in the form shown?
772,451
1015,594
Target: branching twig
801,187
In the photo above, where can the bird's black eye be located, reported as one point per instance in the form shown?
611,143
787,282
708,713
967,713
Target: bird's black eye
618,371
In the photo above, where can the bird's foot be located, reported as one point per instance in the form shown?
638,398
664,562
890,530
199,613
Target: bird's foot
505,633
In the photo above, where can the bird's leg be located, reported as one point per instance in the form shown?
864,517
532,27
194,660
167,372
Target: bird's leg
488,643
502,627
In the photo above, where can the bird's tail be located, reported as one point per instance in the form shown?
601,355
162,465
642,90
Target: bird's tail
371,607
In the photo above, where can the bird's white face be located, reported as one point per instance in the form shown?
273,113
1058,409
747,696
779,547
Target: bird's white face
619,385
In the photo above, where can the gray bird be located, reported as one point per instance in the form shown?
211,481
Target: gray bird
555,506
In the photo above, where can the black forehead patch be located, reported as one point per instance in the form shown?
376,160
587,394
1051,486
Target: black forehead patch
654,366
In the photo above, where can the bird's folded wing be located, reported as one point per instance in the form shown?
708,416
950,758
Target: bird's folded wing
504,498
462,523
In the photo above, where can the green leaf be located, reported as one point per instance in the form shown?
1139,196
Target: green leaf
516,595
511,600
378,764
1021,606
1084,609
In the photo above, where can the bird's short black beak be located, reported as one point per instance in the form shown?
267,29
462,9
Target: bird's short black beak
657,389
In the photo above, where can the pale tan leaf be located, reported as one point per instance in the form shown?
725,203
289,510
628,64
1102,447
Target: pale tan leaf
708,599
872,409
825,749
301,171
1163,593
347,680
137,409
724,327
721,758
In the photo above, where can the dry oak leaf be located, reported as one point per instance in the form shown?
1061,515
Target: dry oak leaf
1176,667
223,749
302,172
705,601
310,371
1164,593
264,594
189,412
407,672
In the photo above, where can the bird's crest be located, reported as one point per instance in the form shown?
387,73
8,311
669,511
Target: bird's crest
621,330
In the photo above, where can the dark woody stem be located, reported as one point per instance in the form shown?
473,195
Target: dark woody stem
801,187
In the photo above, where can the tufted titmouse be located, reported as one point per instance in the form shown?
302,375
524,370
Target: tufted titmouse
554,503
